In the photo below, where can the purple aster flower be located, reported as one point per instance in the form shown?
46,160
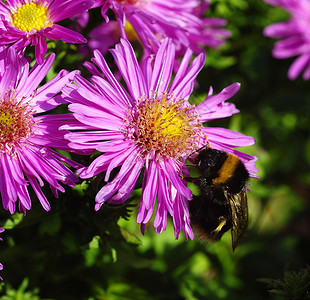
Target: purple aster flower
180,20
294,35
104,36
1,266
149,125
27,135
31,21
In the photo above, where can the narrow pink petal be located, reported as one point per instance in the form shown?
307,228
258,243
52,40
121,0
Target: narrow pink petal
120,103
174,178
149,192
164,190
147,69
163,66
43,99
127,63
122,179
113,146
36,75
100,102
6,201
209,103
150,186
277,30
182,70
298,66
85,84
64,34
96,118
222,111
40,47
60,9
23,196
229,137
97,166
11,65
128,183
185,86
117,161
100,61
141,214
4,8
61,158
7,181
15,170
39,193
289,47
106,192
91,136
32,166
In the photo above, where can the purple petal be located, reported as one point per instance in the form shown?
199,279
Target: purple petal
128,65
66,35
298,65
125,179
36,75
128,184
10,72
206,106
39,193
60,9
184,88
163,66
95,117
289,47
40,48
44,100
174,178
100,61
228,137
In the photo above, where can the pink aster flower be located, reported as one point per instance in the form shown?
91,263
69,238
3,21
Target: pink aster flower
27,135
180,20
104,36
32,21
149,125
294,35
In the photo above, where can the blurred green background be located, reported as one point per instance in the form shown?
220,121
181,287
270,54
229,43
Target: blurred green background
73,252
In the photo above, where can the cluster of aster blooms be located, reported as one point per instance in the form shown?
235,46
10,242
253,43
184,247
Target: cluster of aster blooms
294,34
145,125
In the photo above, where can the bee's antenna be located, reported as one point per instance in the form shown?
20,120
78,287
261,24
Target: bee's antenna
207,145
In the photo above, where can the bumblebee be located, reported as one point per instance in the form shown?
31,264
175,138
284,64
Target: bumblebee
222,202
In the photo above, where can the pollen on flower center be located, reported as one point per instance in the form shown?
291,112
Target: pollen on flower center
16,123
30,17
170,128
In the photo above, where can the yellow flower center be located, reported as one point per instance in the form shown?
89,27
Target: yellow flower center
171,128
30,17
16,123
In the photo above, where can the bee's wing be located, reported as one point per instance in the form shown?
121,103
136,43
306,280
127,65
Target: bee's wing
239,215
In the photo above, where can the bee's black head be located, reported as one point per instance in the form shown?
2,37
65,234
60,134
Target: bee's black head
210,160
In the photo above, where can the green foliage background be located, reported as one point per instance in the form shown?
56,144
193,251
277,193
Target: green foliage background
73,252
